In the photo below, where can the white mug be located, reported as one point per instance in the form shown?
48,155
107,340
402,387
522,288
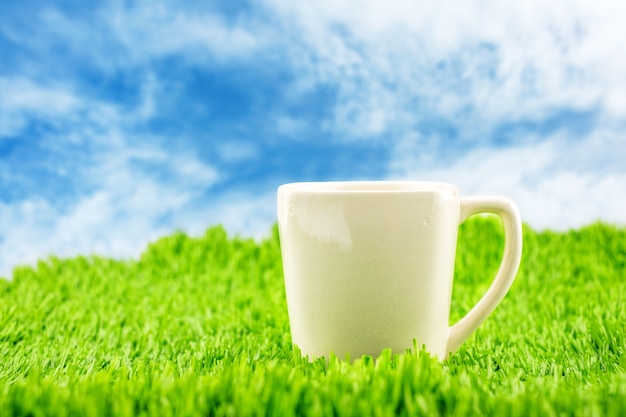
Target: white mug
369,265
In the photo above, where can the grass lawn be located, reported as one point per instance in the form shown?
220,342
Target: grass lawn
198,326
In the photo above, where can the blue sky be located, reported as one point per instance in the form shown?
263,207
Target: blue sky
121,122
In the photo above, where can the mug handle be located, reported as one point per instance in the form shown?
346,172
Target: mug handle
508,212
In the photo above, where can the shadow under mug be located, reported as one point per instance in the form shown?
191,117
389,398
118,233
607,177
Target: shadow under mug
369,265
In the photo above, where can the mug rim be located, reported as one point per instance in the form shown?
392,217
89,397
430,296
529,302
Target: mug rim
369,187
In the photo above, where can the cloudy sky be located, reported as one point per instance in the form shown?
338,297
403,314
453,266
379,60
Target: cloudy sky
122,121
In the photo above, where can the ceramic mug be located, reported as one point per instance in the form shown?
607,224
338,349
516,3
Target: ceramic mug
369,265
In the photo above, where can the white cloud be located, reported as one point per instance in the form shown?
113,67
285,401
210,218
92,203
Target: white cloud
559,183
67,109
22,99
118,219
290,126
118,35
129,184
243,214
478,63
120,223
160,30
236,151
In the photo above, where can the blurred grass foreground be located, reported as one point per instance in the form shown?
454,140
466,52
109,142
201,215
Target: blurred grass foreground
199,326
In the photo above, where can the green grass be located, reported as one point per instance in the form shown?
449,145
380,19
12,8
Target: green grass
199,326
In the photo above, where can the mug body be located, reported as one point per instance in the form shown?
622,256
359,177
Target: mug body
368,265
